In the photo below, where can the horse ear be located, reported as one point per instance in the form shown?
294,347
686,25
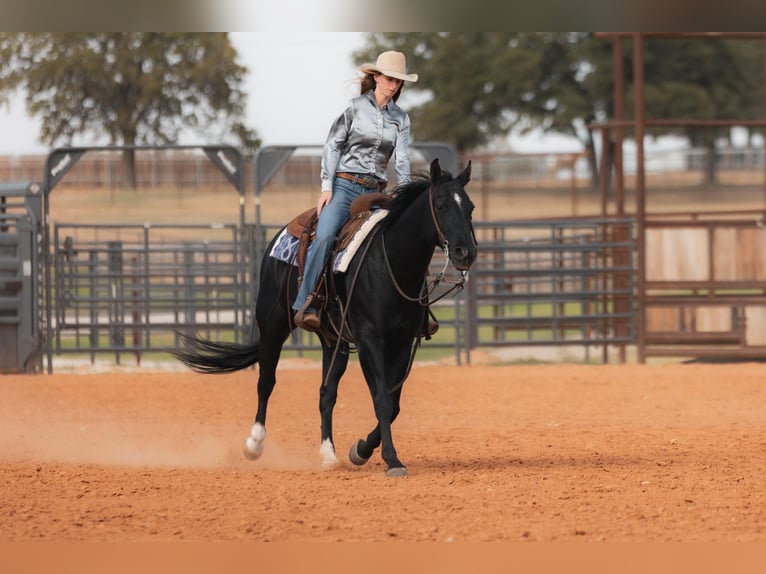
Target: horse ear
436,170
465,175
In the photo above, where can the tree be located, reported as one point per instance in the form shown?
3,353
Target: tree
465,87
704,79
476,86
133,88
572,88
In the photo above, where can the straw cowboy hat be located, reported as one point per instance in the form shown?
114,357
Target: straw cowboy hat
392,64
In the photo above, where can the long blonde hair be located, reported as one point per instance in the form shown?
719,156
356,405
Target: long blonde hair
369,83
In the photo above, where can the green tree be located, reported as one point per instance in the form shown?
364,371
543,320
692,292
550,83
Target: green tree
703,79
476,86
572,87
465,88
132,88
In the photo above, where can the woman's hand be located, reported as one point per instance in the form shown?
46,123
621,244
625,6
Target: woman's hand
324,199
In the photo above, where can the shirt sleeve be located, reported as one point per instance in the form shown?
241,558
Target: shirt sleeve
402,153
333,147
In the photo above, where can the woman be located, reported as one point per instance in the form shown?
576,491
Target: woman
354,161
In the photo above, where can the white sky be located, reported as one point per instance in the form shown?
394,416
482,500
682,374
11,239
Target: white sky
298,83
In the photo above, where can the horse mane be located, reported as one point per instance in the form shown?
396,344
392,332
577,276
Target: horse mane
404,195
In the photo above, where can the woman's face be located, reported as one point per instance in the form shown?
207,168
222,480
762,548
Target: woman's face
387,85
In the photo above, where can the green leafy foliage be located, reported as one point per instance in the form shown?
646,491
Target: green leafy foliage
477,86
130,88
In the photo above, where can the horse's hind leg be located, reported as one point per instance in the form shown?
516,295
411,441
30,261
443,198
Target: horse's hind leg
253,447
333,366
272,339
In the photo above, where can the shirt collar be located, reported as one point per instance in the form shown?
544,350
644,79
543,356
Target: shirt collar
371,96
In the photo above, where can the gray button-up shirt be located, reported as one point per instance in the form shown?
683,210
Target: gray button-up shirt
364,137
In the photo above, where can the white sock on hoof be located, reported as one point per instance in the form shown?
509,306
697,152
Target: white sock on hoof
253,447
327,450
258,432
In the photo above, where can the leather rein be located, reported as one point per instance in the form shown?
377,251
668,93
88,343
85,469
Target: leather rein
424,299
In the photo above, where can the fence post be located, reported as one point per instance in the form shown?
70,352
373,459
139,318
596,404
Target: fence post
188,281
93,286
116,299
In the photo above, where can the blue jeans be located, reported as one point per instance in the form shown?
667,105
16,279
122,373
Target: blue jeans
333,216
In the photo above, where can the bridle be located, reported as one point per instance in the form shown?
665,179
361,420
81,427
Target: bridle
424,299
428,287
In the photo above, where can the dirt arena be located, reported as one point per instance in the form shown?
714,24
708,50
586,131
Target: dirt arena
563,452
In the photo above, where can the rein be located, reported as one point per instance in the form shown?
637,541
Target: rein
430,286
424,299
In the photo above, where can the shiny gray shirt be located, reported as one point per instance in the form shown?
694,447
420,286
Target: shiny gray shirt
363,139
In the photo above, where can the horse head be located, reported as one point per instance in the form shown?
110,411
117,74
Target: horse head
452,208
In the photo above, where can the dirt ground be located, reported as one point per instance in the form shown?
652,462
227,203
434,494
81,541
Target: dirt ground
564,452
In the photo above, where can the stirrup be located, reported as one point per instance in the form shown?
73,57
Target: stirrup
305,319
308,321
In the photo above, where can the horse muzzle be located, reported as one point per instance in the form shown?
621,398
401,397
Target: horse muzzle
462,258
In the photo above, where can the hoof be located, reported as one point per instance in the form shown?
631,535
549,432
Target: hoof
397,471
354,457
327,451
253,447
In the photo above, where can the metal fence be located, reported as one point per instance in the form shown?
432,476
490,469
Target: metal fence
127,289
554,282
678,166
544,282
20,269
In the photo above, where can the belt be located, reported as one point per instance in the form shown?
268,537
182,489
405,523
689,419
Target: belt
365,180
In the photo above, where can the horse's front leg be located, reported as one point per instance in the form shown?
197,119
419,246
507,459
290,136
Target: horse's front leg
333,366
362,450
384,359
386,410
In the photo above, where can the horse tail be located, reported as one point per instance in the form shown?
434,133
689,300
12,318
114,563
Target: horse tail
209,357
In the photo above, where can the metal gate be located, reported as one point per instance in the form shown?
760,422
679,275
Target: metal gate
20,278
554,282
131,294
129,288
126,290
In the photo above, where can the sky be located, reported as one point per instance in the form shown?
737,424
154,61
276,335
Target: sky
298,83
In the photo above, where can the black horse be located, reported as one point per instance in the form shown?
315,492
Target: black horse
382,300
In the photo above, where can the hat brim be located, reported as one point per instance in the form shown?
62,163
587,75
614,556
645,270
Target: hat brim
373,69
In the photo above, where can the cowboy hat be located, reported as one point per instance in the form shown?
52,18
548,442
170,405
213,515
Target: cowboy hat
392,64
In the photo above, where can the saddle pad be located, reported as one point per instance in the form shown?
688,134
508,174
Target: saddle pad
344,257
286,246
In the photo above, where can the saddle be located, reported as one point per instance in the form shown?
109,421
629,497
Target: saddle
303,226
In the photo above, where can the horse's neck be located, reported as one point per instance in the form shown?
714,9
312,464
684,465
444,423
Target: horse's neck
410,241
